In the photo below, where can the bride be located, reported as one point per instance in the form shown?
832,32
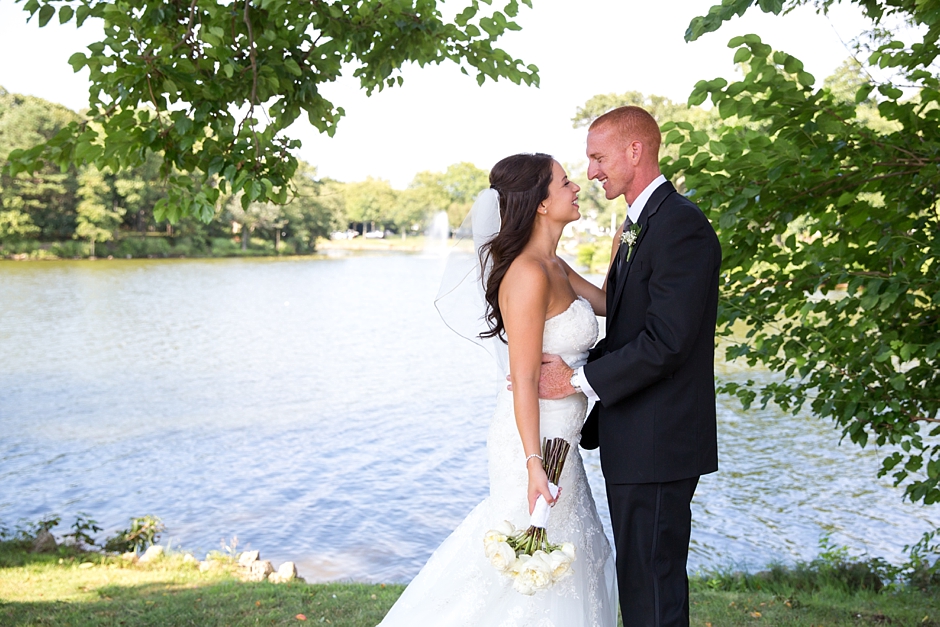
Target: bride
534,301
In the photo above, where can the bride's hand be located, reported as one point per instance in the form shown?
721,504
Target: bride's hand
538,484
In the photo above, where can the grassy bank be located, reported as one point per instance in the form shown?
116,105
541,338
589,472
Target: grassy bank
90,589
70,588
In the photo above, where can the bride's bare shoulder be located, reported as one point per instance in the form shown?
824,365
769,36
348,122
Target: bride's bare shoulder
525,286
528,271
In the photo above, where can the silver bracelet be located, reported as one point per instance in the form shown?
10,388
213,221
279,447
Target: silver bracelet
531,456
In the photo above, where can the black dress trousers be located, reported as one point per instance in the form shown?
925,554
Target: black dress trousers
651,524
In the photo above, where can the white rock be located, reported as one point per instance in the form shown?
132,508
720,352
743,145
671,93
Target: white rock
260,569
287,571
152,553
204,566
189,559
130,556
247,558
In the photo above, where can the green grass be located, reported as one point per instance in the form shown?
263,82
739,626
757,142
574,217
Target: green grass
828,607
39,590
75,589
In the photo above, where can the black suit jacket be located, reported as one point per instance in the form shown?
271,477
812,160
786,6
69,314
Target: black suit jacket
654,371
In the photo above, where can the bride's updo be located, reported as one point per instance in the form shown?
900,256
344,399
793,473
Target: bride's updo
522,182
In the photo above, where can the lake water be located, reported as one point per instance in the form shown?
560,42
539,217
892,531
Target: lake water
318,410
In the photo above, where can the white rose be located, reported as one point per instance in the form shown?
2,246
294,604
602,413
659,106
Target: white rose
523,586
561,565
515,569
493,535
502,557
537,571
506,528
568,549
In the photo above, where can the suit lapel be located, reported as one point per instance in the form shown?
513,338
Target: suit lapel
620,278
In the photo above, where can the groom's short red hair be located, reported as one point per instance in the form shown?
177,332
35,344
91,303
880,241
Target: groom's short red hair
632,123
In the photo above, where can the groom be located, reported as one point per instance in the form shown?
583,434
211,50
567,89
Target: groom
652,376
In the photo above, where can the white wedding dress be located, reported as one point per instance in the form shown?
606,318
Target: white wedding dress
458,586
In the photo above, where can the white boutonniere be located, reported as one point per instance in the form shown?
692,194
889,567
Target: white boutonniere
629,238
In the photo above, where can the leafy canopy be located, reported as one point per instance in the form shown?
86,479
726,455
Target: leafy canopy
212,86
830,227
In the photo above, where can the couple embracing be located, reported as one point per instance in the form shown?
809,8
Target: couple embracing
651,379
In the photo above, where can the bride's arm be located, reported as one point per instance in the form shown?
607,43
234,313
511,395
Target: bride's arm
587,290
524,300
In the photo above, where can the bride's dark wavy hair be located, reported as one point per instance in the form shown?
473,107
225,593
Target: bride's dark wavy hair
522,183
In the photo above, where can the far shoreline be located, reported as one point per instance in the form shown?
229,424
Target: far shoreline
411,244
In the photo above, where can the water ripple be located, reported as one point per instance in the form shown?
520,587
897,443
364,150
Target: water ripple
319,411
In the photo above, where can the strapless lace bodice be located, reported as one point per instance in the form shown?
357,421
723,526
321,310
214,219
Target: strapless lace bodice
458,587
571,333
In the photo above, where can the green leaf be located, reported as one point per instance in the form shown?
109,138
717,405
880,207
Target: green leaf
890,91
292,67
77,61
65,13
771,6
792,65
845,198
697,97
672,137
45,14
81,14
727,108
863,92
717,147
700,159
742,55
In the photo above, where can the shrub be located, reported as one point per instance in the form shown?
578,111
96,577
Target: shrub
189,247
586,254
80,536
143,532
135,246
223,246
21,247
68,249
258,243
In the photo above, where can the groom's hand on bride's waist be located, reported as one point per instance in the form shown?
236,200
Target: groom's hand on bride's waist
554,380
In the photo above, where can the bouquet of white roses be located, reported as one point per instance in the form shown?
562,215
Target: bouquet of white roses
526,555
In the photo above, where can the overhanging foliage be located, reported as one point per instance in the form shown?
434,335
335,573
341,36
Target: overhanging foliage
212,86
831,236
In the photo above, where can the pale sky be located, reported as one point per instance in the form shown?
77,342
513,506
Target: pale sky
439,116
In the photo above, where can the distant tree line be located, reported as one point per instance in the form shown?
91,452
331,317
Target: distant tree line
81,211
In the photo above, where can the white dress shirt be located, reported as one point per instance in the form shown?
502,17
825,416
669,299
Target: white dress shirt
633,212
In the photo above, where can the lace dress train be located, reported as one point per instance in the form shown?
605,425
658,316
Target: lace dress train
459,587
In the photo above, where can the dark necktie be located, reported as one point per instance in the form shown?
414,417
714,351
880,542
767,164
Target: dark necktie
621,252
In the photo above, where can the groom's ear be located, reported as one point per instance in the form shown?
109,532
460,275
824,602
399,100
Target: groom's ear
635,151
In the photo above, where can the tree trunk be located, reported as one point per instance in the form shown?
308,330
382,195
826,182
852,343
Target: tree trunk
244,237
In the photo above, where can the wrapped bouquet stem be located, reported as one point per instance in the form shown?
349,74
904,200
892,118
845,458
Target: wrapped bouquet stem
527,556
